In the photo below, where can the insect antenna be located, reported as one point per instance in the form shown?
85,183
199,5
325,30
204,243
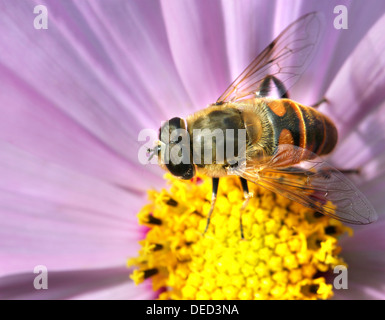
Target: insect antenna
152,152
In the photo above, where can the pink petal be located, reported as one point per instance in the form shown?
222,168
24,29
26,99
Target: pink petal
67,87
364,148
336,45
244,36
112,283
123,291
60,218
197,42
357,89
357,107
364,254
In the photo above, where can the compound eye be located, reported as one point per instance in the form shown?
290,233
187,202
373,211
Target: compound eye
166,131
181,170
177,158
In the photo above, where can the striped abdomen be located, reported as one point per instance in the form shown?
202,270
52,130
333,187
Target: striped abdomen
302,126
270,123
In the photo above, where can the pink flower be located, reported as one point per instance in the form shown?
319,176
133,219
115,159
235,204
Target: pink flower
75,96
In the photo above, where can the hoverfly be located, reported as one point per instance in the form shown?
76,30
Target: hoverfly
284,139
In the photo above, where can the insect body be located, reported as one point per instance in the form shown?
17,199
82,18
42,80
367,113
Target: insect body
269,123
275,143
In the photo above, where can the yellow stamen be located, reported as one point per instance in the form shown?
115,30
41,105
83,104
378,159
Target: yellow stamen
286,246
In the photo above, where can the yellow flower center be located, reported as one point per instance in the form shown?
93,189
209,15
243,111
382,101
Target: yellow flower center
287,247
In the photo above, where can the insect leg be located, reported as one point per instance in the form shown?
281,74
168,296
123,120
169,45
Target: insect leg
247,195
344,171
350,171
265,88
213,200
325,172
317,104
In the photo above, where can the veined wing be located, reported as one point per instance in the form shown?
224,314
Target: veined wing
285,58
311,182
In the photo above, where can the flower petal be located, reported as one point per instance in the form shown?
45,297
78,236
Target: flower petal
357,89
59,218
336,44
359,114
123,291
69,86
364,254
111,283
197,42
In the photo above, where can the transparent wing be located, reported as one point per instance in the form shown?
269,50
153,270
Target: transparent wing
285,58
311,182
